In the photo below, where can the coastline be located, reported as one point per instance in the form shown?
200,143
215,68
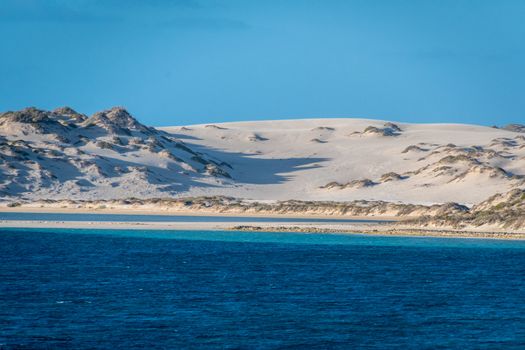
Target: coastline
372,229
500,215
193,212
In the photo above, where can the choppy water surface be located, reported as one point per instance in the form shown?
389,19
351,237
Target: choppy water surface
179,289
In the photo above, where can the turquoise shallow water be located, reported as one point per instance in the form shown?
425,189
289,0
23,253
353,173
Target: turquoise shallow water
160,218
84,289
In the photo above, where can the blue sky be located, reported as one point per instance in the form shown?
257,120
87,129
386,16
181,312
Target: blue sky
198,61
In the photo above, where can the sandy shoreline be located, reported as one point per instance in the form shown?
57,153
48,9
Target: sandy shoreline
394,228
178,212
325,228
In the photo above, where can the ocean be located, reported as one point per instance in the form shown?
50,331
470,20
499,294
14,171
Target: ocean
85,289
71,217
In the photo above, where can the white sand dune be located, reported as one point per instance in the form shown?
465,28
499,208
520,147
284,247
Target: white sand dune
435,162
65,155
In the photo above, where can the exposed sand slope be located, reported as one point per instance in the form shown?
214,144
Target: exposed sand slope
349,159
66,155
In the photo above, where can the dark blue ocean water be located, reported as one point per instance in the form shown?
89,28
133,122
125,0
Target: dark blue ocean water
83,289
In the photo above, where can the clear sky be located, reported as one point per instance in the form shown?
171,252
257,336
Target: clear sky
174,62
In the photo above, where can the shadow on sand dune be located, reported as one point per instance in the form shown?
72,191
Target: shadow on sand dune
251,168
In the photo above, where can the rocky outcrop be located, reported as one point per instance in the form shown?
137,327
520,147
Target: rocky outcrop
515,127
503,211
323,128
414,148
352,184
64,153
256,137
69,114
389,129
391,176
117,121
31,120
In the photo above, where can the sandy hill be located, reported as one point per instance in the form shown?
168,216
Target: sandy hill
64,154
354,159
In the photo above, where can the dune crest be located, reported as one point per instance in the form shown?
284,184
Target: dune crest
63,154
